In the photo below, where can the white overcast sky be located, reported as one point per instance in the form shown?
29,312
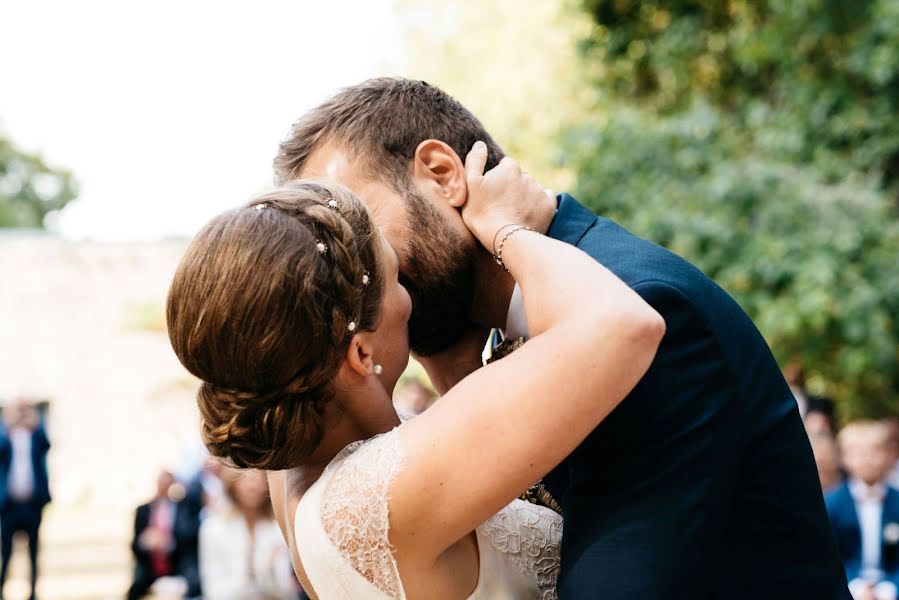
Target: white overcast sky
171,111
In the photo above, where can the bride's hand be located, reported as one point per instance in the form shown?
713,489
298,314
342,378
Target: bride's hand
502,196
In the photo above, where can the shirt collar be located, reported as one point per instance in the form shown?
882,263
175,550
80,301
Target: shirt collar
863,492
516,320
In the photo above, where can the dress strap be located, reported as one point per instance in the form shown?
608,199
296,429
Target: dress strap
354,511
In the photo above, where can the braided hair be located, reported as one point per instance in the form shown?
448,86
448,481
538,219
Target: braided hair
262,310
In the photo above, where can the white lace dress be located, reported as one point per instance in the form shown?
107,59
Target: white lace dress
341,529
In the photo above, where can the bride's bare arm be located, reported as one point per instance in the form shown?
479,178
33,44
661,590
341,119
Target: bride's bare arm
505,426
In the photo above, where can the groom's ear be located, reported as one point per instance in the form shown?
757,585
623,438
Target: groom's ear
439,173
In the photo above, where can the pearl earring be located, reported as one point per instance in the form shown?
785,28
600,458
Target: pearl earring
378,369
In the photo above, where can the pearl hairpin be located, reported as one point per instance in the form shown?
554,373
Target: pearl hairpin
366,278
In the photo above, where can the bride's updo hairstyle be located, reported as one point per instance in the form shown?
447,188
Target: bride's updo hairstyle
262,310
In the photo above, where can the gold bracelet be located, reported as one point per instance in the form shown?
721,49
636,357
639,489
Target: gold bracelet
498,257
498,231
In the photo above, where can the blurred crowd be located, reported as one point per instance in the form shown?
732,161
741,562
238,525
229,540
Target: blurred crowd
210,533
858,465
212,536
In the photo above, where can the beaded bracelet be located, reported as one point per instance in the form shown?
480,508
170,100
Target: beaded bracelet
499,231
498,257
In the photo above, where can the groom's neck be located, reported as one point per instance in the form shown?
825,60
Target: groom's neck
492,292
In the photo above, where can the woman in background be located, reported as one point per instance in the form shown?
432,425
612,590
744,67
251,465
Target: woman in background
242,553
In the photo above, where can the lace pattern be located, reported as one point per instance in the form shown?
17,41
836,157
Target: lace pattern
531,537
354,517
355,509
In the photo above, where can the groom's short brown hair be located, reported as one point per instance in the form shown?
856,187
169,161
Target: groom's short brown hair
382,121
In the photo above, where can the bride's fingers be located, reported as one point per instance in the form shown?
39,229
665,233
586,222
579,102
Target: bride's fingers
475,161
510,164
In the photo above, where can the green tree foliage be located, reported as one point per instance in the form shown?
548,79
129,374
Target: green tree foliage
759,139
823,74
29,188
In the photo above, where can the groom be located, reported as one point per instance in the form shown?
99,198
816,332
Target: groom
702,483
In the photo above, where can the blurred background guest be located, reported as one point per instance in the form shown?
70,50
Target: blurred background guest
827,459
24,487
820,424
166,531
413,397
864,512
820,416
243,555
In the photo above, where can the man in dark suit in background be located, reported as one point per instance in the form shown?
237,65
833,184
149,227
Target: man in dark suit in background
702,483
165,544
864,512
24,486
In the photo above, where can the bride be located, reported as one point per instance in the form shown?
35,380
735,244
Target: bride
291,313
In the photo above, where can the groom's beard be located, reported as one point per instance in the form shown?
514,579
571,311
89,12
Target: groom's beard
439,276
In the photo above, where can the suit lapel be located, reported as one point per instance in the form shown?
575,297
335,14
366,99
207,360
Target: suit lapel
891,506
889,530
851,533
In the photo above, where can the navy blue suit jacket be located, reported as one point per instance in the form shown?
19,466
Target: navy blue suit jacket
702,483
844,519
40,445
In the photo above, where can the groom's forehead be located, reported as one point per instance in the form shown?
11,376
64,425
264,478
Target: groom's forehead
330,161
334,163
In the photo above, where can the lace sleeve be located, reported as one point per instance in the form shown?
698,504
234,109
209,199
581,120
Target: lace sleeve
530,536
355,509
